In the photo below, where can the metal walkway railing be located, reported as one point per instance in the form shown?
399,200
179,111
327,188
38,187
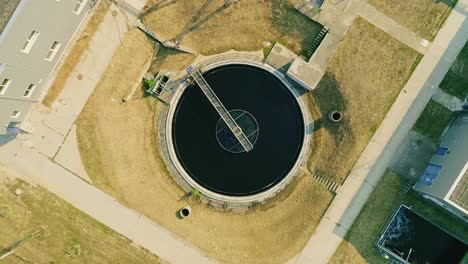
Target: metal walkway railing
222,111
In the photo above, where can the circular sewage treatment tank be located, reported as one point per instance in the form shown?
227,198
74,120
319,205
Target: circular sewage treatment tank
269,115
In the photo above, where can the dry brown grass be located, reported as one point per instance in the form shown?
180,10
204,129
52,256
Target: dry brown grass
242,26
66,227
75,54
117,144
365,75
170,60
424,17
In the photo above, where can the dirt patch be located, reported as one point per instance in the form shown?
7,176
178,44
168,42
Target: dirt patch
76,52
424,17
117,143
364,78
65,228
241,26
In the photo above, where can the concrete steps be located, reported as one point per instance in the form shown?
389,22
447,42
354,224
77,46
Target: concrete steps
329,184
315,44
408,185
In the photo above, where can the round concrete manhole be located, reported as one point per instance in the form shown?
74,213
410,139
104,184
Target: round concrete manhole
185,212
335,116
79,76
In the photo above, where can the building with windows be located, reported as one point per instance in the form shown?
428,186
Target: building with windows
445,180
33,37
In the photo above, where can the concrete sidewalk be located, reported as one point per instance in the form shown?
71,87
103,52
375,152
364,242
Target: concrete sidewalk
79,85
38,170
394,128
394,29
449,101
50,158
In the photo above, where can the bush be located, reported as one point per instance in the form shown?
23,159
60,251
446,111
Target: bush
148,83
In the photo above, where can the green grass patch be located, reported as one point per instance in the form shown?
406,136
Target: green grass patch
455,81
433,120
267,50
455,85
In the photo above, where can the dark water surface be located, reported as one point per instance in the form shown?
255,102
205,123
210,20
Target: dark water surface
414,238
279,142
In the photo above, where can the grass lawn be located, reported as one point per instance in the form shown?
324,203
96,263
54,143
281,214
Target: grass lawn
433,120
65,227
364,78
456,80
242,26
368,62
358,246
75,53
170,60
117,145
424,17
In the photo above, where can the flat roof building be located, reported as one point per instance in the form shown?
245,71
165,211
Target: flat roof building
33,37
445,180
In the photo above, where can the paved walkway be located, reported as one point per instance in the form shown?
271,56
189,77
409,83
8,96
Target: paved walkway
53,125
38,170
50,159
69,156
412,156
35,163
338,17
396,125
394,29
449,101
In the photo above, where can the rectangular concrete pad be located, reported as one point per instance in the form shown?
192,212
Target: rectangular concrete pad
305,74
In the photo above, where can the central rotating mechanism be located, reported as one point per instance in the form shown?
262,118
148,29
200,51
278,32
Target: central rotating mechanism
248,125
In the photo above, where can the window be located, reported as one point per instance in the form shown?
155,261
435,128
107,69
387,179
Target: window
430,174
4,85
442,151
30,42
53,50
29,91
15,114
79,6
